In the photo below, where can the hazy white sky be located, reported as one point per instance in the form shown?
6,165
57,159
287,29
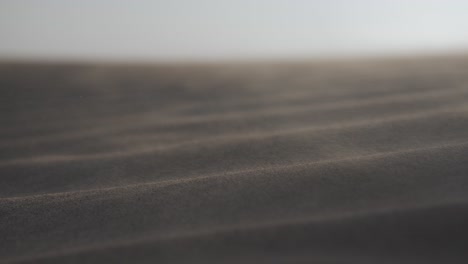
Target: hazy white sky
224,29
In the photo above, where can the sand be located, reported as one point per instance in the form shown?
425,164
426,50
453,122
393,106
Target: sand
295,162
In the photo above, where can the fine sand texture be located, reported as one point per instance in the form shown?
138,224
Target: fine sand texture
294,162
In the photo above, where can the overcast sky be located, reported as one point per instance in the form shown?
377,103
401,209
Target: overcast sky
226,29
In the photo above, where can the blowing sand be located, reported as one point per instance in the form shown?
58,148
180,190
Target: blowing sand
331,162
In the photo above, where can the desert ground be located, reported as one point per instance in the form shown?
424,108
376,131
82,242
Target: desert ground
340,161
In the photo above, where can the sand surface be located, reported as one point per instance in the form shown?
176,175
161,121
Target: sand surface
330,162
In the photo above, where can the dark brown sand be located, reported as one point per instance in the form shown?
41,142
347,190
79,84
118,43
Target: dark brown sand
338,162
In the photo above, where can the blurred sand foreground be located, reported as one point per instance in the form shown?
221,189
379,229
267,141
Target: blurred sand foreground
326,162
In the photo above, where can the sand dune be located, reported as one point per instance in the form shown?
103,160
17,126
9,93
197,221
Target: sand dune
330,162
